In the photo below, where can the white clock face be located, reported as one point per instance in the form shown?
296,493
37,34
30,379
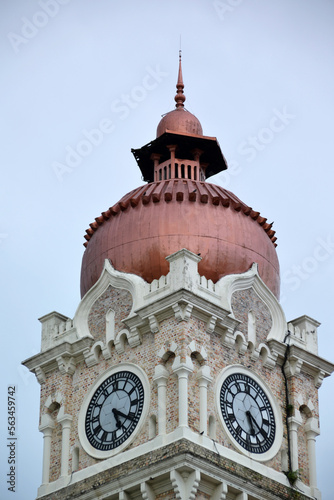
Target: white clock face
249,413
113,412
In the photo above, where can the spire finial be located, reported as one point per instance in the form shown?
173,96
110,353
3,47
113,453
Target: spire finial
180,97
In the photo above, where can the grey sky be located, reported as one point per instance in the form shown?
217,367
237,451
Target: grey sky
259,76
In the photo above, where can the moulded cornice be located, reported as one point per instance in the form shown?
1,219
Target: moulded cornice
69,354
181,304
301,360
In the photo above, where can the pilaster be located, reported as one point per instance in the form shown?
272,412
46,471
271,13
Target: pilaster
160,378
183,369
204,378
47,426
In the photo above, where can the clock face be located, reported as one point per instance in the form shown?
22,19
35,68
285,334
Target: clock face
247,413
114,410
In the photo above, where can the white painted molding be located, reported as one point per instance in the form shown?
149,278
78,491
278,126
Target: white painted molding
147,492
161,375
183,369
66,364
185,483
220,492
176,462
57,398
251,279
47,425
204,379
166,351
123,495
135,285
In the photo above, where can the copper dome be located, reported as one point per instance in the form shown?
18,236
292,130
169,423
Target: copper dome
177,209
156,220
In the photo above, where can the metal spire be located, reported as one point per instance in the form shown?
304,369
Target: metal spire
180,97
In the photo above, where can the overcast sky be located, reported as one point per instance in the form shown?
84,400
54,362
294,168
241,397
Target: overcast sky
259,76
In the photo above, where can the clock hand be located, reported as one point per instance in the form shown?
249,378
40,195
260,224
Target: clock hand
117,412
253,420
118,422
249,416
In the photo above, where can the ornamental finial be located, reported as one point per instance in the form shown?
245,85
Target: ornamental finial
180,97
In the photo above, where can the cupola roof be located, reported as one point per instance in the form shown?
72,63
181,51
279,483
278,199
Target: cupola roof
178,209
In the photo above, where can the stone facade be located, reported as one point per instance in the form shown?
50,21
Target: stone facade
182,331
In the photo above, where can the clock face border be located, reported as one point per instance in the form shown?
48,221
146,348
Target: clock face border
121,367
277,442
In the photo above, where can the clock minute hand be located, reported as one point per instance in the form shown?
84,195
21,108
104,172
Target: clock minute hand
253,420
249,416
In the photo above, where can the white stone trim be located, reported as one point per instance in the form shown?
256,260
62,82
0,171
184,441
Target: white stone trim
185,484
294,424
158,442
82,414
109,277
204,379
161,375
263,457
46,427
251,279
312,431
65,420
183,369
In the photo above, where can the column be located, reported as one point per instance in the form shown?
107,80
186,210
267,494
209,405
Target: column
312,431
183,369
65,421
160,378
294,424
155,157
47,426
204,378
172,160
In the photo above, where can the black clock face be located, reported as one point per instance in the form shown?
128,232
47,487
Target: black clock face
247,413
114,411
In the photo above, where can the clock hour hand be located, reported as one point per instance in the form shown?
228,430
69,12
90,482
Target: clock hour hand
118,422
120,414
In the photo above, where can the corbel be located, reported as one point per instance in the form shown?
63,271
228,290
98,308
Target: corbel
211,324
66,365
40,375
154,325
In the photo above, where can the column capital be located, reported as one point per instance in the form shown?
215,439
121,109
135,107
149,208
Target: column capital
312,428
47,424
184,367
295,421
204,376
161,374
64,418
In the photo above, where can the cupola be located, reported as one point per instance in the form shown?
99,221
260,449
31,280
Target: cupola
178,209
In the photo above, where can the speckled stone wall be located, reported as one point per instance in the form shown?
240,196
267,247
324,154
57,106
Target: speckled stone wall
219,355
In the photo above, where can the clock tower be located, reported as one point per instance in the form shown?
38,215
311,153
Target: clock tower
179,376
